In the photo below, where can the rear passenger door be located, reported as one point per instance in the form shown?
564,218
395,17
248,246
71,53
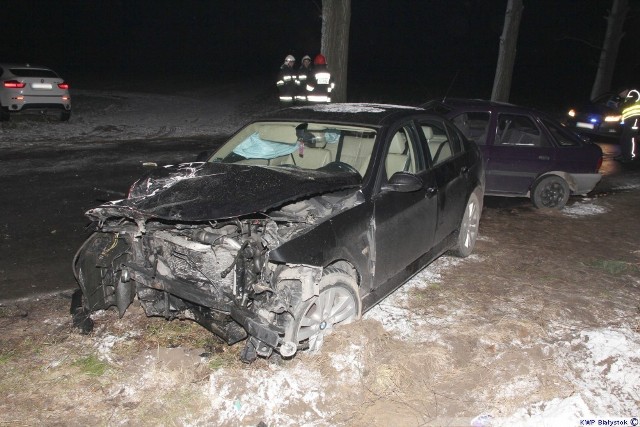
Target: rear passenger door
448,168
520,152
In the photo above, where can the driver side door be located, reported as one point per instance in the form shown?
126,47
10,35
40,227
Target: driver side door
404,221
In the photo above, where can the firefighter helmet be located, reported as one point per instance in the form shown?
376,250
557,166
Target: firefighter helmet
319,60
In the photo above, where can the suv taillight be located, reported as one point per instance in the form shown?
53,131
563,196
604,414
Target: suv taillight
63,86
13,84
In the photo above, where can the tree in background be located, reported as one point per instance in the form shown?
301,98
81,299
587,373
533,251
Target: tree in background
336,18
507,51
609,52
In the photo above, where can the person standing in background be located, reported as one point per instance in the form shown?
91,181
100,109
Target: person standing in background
286,83
304,72
320,83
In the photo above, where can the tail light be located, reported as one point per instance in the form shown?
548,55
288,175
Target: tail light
63,86
13,84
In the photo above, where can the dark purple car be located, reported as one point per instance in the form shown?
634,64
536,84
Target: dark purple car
526,152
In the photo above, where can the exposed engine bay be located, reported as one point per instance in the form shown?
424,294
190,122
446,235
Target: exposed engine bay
217,273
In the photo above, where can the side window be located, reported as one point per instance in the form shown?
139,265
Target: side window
454,137
401,153
437,141
474,125
519,130
563,137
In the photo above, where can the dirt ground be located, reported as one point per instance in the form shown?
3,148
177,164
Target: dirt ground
497,337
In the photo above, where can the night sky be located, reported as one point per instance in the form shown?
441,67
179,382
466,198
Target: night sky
417,48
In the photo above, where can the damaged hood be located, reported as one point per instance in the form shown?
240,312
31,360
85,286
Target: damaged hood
211,191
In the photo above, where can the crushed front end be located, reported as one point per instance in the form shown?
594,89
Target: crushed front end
217,273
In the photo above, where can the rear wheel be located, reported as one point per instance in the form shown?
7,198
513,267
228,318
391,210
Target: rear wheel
338,303
551,192
65,115
468,232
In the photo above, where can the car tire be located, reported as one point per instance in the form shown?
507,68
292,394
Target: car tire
469,224
65,115
551,192
4,114
338,303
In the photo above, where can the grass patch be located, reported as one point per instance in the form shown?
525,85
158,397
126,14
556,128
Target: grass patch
6,356
176,333
613,267
91,365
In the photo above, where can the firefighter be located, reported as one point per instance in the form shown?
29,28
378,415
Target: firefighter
304,72
287,78
630,138
320,83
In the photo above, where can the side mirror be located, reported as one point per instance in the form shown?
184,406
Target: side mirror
403,182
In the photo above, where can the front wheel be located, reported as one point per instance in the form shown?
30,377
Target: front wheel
468,232
551,192
337,303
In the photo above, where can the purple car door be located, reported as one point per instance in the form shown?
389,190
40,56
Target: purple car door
518,153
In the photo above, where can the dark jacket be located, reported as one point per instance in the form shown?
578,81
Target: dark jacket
319,84
287,83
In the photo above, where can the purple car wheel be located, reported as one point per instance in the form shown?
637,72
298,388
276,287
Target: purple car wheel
551,192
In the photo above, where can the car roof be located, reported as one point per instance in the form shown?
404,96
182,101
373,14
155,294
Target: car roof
455,104
17,65
368,114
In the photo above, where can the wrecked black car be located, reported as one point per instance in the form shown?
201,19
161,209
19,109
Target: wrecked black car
302,220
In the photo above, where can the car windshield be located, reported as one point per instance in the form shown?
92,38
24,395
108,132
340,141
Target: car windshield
302,145
610,100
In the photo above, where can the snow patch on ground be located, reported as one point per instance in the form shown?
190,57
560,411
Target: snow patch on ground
120,116
266,393
587,207
395,317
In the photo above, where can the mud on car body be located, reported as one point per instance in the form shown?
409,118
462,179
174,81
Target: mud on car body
303,220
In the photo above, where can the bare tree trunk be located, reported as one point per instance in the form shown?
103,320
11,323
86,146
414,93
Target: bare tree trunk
507,51
609,52
336,19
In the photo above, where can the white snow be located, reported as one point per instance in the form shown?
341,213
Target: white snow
354,108
584,207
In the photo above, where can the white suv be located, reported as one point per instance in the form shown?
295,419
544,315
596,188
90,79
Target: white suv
27,87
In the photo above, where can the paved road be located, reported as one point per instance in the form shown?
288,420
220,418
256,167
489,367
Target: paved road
46,192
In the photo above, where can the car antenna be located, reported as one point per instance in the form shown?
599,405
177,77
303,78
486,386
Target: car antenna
450,85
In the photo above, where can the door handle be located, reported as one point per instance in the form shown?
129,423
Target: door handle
544,157
431,191
464,170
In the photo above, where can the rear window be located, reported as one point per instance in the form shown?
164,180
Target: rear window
33,72
563,136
